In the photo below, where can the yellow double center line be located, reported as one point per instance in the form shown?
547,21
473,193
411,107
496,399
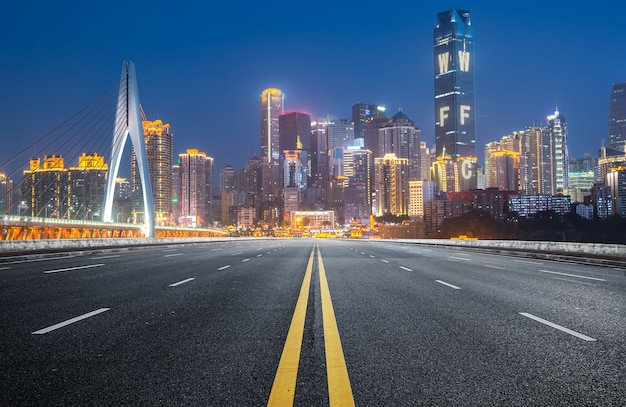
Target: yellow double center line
284,387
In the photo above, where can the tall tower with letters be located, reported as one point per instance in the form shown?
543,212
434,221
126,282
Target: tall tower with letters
455,129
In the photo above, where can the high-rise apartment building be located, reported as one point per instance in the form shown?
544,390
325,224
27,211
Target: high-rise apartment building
195,177
617,117
53,191
272,106
362,115
391,185
454,91
402,138
159,143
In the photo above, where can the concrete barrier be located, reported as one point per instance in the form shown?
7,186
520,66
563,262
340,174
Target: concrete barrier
596,252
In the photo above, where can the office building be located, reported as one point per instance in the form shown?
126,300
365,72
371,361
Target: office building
362,115
339,132
294,131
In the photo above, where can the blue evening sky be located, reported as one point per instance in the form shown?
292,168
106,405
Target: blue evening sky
202,66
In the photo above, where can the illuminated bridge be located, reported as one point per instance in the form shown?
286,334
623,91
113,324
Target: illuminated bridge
45,199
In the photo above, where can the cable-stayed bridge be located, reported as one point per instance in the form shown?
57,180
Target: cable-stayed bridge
47,199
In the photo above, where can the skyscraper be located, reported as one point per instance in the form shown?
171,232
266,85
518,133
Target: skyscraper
617,117
454,90
557,133
272,106
362,115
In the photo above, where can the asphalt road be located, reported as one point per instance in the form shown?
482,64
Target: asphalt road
316,322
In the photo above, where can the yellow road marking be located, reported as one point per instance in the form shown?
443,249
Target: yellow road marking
339,390
284,387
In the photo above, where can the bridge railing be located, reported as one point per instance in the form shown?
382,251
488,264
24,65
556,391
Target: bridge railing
21,228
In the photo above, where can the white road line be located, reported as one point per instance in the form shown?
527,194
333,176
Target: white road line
42,259
447,284
494,267
175,254
236,254
245,260
527,262
69,321
559,327
362,252
459,258
224,267
373,257
259,255
182,282
5,268
572,275
74,268
105,257
386,261
572,281
416,252
618,268
405,268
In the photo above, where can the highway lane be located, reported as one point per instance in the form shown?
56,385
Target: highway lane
206,324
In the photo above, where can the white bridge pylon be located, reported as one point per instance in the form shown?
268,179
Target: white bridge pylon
128,123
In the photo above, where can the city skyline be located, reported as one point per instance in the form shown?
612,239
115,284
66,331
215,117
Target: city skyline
206,79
